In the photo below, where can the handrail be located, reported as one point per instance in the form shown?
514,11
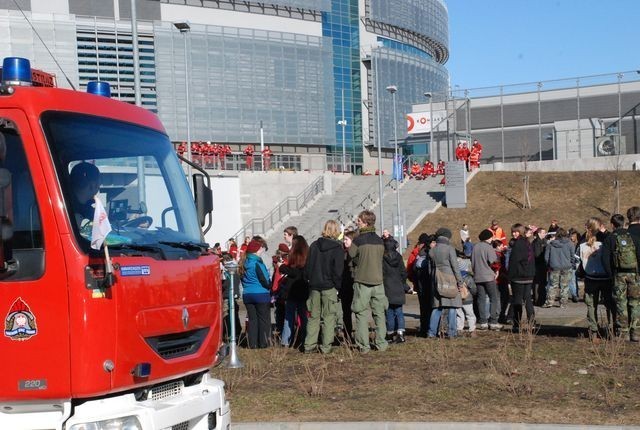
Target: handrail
277,214
347,213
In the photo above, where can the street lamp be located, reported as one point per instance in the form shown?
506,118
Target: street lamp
343,123
378,136
429,96
398,173
184,28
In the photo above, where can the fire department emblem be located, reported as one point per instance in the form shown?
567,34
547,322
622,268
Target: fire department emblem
20,323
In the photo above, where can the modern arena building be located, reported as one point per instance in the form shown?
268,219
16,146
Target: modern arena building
312,72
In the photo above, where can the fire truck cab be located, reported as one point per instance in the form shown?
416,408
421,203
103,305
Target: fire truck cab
94,340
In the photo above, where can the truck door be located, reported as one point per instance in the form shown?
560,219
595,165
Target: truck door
34,345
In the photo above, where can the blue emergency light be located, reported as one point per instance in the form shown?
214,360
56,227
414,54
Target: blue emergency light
99,88
16,71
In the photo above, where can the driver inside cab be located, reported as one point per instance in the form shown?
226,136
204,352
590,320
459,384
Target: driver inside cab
85,182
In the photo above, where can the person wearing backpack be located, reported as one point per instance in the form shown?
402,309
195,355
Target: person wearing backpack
620,259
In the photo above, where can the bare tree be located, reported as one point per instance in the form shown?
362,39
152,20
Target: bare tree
615,162
524,157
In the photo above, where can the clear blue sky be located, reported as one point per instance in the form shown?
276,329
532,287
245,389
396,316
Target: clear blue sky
494,42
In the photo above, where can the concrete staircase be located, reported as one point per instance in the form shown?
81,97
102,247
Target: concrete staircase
355,194
417,198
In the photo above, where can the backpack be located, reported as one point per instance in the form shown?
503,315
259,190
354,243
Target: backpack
625,253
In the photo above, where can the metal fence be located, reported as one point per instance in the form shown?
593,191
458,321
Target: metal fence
590,116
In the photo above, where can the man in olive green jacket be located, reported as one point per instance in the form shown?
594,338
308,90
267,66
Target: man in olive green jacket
367,250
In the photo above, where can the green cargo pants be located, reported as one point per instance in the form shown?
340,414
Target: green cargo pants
322,306
626,294
372,297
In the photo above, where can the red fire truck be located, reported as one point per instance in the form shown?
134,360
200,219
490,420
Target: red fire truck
92,339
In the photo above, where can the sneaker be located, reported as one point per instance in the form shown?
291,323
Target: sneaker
563,306
574,299
495,326
483,326
547,305
400,338
473,334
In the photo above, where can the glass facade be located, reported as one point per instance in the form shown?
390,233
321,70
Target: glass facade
239,77
341,24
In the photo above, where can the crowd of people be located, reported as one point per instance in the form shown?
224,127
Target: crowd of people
318,289
215,156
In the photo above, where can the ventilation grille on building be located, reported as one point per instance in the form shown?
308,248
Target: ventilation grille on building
181,426
105,53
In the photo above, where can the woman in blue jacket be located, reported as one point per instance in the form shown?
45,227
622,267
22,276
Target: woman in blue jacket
256,295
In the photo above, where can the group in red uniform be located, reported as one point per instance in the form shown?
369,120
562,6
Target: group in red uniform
207,155
471,157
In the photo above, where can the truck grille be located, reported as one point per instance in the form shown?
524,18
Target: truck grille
166,391
176,345
181,426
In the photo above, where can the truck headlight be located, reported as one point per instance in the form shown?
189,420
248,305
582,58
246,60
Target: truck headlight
122,423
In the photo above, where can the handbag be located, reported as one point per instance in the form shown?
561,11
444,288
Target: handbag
446,284
464,292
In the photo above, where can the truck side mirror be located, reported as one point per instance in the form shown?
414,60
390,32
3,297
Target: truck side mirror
203,198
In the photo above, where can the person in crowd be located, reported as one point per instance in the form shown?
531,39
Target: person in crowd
323,272
597,282
267,153
243,247
498,232
574,237
278,295
288,234
346,290
256,296
232,248
521,272
474,159
540,279
464,233
227,279
466,311
553,227
394,275
633,216
367,250
502,281
248,153
466,153
620,258
459,152
440,168
415,170
483,256
444,259
422,271
295,292
386,234
428,170
559,258
477,146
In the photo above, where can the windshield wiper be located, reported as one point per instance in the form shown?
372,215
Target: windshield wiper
189,246
134,249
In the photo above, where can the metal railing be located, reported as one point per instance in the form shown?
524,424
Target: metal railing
260,226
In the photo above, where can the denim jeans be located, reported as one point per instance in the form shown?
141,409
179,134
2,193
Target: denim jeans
292,310
395,319
434,323
573,285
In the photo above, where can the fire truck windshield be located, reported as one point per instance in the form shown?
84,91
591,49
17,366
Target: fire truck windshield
133,171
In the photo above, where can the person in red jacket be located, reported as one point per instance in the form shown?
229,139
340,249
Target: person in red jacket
440,168
248,152
474,159
214,150
465,154
182,148
266,157
428,170
415,170
459,152
224,152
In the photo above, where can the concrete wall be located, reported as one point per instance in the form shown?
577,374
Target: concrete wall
624,162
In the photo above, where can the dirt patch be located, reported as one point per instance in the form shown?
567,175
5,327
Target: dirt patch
494,377
569,197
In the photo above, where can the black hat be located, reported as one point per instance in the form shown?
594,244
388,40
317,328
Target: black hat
443,232
485,234
424,238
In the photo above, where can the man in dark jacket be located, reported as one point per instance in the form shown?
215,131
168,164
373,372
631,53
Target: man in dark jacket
323,272
626,284
395,281
482,257
367,250
521,272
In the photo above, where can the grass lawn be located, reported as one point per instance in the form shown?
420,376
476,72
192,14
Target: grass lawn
493,377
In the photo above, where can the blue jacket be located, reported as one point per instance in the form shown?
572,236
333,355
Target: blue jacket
255,281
